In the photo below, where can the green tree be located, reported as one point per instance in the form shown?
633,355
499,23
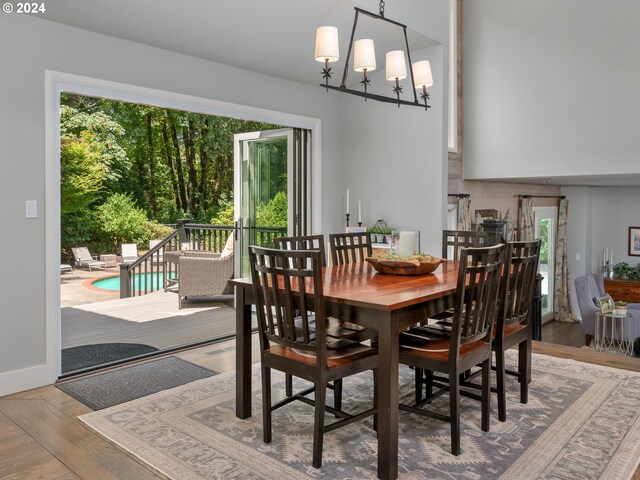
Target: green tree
274,213
81,174
119,218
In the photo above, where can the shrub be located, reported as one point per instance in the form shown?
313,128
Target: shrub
119,218
274,213
153,231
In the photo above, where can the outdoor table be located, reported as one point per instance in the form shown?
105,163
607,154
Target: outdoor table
387,304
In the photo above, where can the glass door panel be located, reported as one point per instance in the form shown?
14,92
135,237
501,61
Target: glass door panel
262,190
545,219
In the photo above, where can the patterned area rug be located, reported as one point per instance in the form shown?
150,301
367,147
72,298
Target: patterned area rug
582,422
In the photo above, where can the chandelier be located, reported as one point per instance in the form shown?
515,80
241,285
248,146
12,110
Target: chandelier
364,61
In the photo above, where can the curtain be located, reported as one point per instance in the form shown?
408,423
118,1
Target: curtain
525,219
464,213
562,294
301,181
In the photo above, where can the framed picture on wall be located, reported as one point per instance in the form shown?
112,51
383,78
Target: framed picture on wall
634,241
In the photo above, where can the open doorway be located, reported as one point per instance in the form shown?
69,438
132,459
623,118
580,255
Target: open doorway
131,174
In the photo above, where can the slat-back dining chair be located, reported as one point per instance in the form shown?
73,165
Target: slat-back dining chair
468,345
454,240
513,322
297,344
335,328
302,242
350,247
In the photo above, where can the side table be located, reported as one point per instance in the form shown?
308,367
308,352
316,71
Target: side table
109,259
611,333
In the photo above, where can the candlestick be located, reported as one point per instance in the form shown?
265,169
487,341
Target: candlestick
347,215
347,209
359,224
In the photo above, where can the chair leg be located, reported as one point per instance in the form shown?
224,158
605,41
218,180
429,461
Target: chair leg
288,385
337,395
486,391
419,381
429,382
524,369
500,383
454,407
318,424
266,405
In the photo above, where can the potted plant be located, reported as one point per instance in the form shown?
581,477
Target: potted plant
625,271
620,308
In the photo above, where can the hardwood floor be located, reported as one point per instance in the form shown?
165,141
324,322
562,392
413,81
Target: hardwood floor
41,437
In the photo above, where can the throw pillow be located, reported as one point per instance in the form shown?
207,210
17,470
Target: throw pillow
228,248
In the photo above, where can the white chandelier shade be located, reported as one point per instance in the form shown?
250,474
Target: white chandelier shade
364,55
327,46
396,65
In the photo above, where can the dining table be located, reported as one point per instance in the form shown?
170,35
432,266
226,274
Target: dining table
385,303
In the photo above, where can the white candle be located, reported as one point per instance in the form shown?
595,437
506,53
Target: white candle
611,258
347,210
359,212
407,244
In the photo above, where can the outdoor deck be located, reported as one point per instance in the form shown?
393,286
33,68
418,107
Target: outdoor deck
91,316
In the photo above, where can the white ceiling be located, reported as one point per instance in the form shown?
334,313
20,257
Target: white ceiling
274,37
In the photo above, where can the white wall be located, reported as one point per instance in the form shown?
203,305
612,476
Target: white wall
407,185
551,88
388,149
599,218
36,45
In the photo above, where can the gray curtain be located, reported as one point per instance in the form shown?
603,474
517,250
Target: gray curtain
464,213
525,220
562,293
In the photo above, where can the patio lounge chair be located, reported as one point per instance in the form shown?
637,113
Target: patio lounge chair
129,252
84,259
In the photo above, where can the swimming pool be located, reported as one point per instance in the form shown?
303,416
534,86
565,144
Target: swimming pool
152,281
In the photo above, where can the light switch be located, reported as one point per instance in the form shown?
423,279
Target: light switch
31,208
578,257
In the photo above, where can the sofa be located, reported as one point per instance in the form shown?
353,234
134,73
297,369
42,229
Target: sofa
588,289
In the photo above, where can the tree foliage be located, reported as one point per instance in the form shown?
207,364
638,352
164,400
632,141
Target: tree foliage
124,165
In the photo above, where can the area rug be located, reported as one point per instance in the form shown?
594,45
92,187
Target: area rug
86,356
126,384
582,422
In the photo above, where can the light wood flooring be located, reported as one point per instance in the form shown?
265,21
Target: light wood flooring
41,437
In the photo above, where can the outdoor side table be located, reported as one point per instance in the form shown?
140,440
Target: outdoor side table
109,259
611,333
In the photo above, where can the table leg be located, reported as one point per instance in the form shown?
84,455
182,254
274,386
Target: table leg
387,399
243,355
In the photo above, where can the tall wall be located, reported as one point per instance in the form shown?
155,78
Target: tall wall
551,88
407,184
381,138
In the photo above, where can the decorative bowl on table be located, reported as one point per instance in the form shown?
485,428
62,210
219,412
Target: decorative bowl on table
396,265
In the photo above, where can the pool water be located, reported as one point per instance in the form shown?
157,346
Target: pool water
152,281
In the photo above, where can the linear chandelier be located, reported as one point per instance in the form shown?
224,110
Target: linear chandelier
327,51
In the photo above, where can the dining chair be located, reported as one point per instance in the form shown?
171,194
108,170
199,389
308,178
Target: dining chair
297,344
469,343
350,247
454,240
335,328
302,242
513,322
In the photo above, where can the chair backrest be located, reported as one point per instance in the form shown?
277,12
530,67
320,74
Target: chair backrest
588,289
517,286
476,296
454,240
305,242
153,243
129,250
81,254
289,299
350,247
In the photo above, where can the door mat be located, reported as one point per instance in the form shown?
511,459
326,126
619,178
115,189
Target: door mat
126,384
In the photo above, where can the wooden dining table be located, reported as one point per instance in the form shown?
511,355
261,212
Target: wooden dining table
387,304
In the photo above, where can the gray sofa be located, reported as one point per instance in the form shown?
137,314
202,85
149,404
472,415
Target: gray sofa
588,289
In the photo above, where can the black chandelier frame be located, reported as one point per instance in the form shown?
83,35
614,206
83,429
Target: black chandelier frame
365,82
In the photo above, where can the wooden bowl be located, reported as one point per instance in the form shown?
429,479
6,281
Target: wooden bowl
404,267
